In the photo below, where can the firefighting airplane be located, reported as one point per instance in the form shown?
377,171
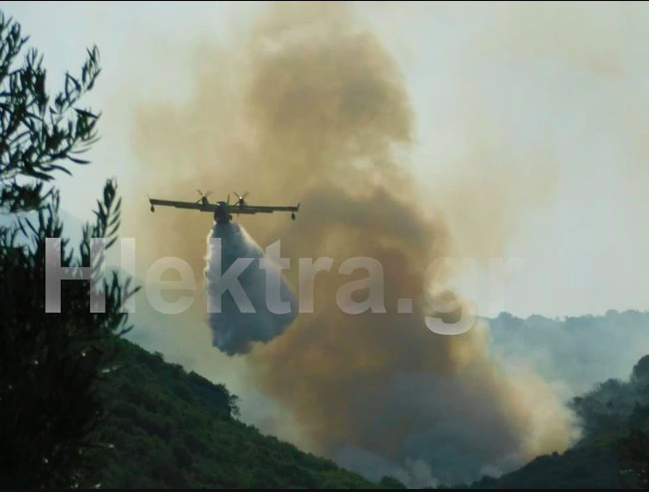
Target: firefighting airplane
223,210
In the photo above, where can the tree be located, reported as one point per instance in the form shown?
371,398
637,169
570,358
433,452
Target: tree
641,371
634,457
51,364
391,483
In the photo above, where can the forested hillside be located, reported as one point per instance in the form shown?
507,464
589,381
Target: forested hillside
613,452
170,429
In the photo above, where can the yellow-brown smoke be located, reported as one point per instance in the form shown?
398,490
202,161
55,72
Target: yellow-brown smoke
308,106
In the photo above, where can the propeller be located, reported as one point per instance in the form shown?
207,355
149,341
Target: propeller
241,198
202,195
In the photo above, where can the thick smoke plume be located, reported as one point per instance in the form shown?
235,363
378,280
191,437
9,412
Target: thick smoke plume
307,105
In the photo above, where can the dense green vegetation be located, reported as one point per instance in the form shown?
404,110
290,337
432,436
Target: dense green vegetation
174,429
613,452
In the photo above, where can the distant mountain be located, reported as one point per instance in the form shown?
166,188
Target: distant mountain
576,352
73,233
72,226
610,413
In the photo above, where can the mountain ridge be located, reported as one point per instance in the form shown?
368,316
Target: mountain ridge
182,430
168,428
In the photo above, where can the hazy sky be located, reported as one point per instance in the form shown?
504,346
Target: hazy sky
558,91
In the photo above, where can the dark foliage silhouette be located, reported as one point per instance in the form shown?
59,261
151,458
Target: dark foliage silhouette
634,457
51,364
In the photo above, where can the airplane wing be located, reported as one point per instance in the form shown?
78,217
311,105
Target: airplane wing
233,209
178,204
262,209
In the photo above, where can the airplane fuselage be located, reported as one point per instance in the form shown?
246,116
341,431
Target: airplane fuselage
222,213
